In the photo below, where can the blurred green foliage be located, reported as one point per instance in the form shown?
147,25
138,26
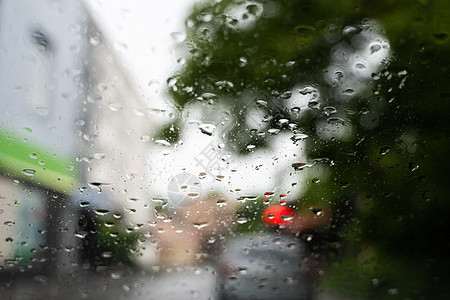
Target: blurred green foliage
388,182
170,132
250,213
115,244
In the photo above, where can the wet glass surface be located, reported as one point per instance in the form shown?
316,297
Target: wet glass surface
224,149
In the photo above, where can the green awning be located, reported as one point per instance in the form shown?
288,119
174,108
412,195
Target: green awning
36,164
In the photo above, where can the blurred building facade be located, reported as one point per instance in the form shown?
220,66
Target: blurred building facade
72,132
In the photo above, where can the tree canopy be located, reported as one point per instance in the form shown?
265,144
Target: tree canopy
383,138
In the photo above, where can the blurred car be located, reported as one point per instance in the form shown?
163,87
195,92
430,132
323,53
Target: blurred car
265,266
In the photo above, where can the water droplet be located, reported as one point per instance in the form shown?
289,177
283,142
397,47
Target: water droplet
121,47
115,106
273,131
313,104
251,147
193,195
299,137
261,103
42,111
384,149
413,166
95,39
200,225
334,120
375,282
69,249
92,98
162,143
178,37
99,155
317,211
205,17
29,172
84,204
126,288
304,31
208,96
154,85
9,223
88,136
392,291
307,90
222,202
102,87
97,185
254,9
75,28
374,48
171,82
351,30
101,212
289,281
295,110
116,275
34,155
80,234
329,110
242,220
242,270
223,84
247,197
299,166
80,122
360,66
243,62
338,76
207,129
82,189
348,91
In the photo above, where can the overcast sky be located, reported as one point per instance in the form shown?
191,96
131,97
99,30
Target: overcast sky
143,34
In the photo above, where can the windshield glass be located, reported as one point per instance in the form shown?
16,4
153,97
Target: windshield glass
224,149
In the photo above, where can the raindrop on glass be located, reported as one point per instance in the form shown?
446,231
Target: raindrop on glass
207,129
29,172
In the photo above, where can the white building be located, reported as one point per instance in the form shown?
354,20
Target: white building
72,128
